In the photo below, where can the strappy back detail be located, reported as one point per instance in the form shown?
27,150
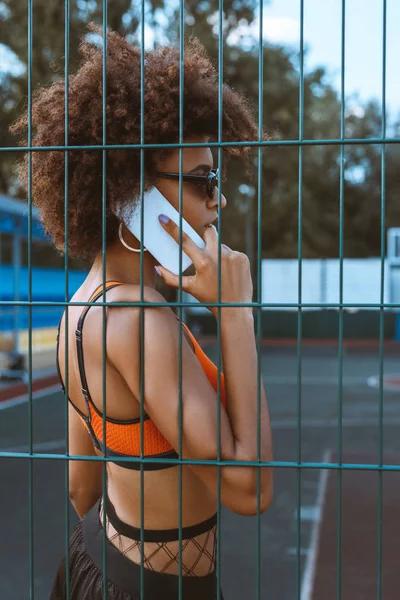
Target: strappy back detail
123,436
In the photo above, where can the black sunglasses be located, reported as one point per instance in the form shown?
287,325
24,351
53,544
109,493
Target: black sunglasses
210,180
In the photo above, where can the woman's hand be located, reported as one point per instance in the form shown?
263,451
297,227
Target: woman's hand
236,283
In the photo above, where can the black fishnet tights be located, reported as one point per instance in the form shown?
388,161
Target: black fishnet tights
198,553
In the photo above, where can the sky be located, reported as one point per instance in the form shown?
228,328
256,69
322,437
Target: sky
322,37
363,42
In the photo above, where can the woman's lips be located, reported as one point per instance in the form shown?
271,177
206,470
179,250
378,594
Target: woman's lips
207,226
215,222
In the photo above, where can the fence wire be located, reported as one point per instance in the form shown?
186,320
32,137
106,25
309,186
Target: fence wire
298,465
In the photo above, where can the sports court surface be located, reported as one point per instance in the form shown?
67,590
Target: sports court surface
315,574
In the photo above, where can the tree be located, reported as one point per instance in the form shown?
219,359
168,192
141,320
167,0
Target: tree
320,189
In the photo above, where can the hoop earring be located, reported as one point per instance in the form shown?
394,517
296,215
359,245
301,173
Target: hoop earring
125,244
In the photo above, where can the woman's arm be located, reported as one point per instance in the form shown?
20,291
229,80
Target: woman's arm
85,477
199,431
239,355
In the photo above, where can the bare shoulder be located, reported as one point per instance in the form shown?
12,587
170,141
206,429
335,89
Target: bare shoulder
123,323
131,293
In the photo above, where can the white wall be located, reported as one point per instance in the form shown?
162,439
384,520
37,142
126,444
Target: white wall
320,282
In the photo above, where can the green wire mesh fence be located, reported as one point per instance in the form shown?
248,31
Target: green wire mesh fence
298,465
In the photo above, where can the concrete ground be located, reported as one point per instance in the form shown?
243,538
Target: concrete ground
298,534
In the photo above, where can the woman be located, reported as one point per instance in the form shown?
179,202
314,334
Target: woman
161,328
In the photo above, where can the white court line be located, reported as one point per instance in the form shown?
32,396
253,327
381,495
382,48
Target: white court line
374,382
25,397
307,584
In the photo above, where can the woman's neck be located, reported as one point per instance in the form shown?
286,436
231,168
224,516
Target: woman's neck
124,265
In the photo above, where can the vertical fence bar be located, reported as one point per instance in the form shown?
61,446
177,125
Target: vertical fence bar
219,349
141,310
299,311
180,305
259,285
340,314
381,310
180,190
30,405
66,329
104,308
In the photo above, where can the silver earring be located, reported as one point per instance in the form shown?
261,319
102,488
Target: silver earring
125,244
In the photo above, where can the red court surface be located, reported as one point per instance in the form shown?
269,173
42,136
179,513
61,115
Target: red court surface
14,389
305,406
359,528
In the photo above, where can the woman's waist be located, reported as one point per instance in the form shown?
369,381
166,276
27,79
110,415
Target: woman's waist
158,527
163,508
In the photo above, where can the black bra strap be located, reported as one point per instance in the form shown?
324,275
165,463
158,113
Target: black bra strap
60,376
81,362
156,535
136,465
78,335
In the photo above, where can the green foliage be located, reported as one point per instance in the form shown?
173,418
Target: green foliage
320,189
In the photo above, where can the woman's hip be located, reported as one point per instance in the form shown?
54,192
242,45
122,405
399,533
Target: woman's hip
131,578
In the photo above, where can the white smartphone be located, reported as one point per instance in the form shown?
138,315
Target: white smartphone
157,241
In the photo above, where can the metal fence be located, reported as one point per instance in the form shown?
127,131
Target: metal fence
299,465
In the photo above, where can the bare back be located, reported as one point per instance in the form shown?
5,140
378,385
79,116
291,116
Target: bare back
161,487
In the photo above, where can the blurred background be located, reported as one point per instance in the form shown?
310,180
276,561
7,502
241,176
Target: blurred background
314,232
298,232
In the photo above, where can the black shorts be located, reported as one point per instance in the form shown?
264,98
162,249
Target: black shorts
123,575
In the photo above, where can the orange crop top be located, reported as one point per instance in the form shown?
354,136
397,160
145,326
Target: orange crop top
123,437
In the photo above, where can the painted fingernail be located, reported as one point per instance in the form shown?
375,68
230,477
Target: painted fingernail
163,218
157,270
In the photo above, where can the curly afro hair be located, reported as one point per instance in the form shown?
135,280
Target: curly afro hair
123,126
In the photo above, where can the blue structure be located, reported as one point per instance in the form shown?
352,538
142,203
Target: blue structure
47,284
393,259
14,219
